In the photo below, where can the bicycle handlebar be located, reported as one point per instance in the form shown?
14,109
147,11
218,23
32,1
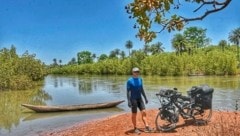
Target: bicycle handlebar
174,94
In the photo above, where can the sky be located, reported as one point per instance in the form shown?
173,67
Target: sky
62,28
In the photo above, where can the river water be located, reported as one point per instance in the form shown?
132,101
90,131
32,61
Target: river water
67,90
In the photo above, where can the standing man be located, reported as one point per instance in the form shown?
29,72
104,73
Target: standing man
135,92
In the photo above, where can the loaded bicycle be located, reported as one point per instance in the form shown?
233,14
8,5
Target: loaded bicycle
197,105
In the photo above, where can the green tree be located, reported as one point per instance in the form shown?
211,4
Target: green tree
157,48
117,52
102,57
234,37
146,49
179,43
113,54
72,61
13,52
162,13
122,54
196,37
84,57
19,72
129,46
222,44
137,57
94,56
55,62
60,62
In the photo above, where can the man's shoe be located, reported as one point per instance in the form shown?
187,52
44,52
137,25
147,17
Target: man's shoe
147,129
137,131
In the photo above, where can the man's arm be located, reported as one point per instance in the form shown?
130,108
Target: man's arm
143,93
129,95
129,98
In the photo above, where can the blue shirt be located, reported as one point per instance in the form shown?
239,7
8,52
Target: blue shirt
135,85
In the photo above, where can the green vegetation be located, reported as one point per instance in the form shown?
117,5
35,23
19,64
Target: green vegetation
193,55
209,61
19,72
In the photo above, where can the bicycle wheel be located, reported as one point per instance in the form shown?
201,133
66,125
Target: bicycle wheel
201,115
165,121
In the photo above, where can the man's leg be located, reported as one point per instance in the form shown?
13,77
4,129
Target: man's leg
134,113
134,118
144,118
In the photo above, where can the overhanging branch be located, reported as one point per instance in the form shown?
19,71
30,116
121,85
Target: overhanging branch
223,5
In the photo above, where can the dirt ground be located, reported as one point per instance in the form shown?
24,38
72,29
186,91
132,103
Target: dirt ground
222,124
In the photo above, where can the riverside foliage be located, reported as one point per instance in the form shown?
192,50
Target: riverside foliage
207,61
19,72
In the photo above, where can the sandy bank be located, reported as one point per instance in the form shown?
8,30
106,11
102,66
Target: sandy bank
222,123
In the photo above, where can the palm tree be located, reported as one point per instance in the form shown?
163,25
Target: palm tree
146,49
222,44
73,61
129,46
94,56
60,62
179,43
122,54
55,62
157,48
234,37
112,54
117,52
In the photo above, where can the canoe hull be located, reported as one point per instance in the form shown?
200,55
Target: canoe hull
40,108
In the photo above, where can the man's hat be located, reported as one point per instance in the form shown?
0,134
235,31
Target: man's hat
135,69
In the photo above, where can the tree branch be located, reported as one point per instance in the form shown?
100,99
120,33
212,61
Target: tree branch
223,5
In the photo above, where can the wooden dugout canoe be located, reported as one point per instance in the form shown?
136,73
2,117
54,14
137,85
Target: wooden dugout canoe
40,108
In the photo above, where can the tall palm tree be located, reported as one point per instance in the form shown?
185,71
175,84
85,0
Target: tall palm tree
234,37
129,46
157,48
60,62
55,62
179,43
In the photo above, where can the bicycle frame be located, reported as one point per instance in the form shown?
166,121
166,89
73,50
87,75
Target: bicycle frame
180,105
174,103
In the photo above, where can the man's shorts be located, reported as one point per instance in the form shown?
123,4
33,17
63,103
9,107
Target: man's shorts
137,103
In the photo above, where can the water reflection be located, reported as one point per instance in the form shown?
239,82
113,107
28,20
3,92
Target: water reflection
39,98
10,105
85,87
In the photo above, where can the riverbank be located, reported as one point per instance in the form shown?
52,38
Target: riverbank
222,123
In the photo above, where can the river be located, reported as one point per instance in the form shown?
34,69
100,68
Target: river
77,89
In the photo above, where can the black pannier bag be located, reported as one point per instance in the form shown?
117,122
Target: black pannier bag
202,95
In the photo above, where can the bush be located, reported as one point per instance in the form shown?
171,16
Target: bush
203,61
19,72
